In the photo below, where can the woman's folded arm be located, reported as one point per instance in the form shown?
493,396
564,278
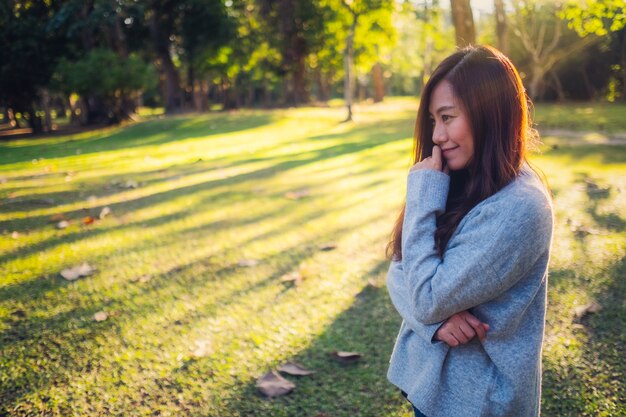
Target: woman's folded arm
495,247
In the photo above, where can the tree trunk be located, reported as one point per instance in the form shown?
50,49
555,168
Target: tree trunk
535,81
558,86
10,116
348,59
86,34
84,111
428,57
45,103
200,95
623,64
119,39
501,27
299,80
378,81
230,98
463,21
33,120
74,117
266,93
172,90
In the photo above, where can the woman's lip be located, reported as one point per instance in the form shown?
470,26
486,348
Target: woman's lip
449,149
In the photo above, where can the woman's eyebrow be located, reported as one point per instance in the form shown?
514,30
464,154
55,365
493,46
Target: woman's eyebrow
444,108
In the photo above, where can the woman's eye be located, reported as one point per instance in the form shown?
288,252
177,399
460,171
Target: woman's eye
445,117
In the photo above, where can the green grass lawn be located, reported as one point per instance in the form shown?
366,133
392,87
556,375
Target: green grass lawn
189,330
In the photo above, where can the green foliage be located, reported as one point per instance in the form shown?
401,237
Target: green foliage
104,73
597,17
418,27
29,51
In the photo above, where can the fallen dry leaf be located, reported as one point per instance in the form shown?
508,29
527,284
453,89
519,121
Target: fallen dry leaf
100,316
298,194
88,220
347,357
294,369
590,308
273,385
15,235
247,262
202,348
63,224
57,217
328,246
72,274
295,277
104,212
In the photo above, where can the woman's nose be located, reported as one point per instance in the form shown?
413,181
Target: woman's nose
439,135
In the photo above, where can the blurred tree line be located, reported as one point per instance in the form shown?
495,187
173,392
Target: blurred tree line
96,61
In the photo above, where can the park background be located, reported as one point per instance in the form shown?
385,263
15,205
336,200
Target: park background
194,193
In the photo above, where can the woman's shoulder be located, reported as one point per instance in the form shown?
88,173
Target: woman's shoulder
529,191
526,196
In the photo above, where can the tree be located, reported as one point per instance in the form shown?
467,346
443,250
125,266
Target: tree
356,10
121,78
294,28
162,17
463,21
501,26
28,56
205,27
601,18
539,29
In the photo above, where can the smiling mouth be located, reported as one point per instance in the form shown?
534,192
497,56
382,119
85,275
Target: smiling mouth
449,149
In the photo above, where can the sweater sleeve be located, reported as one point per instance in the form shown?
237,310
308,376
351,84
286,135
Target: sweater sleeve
494,249
401,301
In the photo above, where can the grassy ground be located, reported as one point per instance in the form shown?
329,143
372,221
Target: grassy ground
189,330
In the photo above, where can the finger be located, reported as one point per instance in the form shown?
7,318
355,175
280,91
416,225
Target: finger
437,157
445,336
477,325
467,330
460,336
451,340
480,331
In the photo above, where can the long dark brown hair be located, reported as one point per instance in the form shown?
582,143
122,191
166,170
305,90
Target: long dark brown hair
493,97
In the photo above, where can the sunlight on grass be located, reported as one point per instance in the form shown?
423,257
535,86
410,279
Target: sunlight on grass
189,329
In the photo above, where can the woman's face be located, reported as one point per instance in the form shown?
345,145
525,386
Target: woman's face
451,128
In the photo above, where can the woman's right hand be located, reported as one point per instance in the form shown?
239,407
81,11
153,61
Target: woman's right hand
434,162
460,328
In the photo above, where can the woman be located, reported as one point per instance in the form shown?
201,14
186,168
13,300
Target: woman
470,248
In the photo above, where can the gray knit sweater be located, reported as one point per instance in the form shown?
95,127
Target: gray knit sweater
495,266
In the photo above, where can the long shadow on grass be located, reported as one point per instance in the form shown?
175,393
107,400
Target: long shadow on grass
596,383
150,133
49,337
369,327
367,136
283,164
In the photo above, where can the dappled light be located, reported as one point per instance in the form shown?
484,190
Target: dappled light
227,254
